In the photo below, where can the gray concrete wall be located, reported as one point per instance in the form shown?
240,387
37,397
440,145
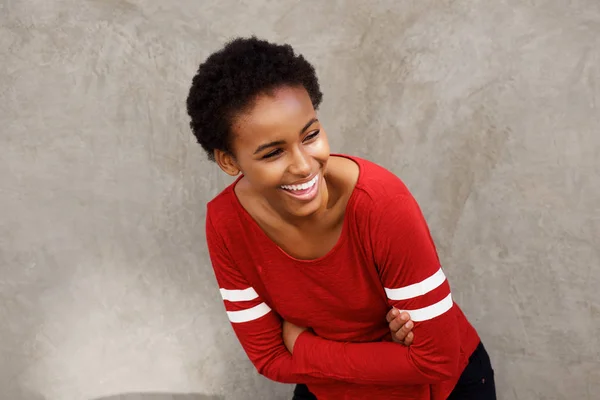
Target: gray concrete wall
490,112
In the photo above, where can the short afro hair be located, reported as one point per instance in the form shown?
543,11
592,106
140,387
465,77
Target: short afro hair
229,80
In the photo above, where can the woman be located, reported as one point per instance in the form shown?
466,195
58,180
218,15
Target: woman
315,253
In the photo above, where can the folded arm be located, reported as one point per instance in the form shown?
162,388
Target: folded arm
410,272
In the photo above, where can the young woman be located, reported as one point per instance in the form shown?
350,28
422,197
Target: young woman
316,254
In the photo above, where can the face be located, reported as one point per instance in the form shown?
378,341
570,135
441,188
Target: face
282,150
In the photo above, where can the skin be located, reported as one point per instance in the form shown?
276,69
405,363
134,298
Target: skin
279,141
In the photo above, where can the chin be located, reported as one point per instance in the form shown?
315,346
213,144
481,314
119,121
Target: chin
301,209
306,210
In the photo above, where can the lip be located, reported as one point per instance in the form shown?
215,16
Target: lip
303,181
310,194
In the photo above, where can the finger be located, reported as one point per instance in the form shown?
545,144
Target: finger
402,333
396,324
399,321
393,313
408,340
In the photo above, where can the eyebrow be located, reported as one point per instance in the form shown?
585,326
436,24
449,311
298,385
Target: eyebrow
280,142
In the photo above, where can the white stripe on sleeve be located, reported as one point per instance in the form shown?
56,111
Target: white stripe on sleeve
432,311
238,295
417,289
248,315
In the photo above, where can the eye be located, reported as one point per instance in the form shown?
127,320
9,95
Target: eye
272,154
312,136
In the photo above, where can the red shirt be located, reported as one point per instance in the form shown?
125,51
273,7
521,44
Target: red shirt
385,257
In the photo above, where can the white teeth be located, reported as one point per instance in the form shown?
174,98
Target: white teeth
304,186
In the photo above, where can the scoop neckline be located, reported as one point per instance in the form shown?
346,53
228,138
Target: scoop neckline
343,235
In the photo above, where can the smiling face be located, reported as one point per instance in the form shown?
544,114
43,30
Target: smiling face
282,150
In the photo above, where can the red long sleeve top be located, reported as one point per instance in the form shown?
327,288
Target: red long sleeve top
385,257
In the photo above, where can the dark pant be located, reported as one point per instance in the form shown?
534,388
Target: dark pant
477,380
475,383
301,392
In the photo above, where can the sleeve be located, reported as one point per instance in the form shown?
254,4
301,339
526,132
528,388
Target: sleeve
257,327
413,280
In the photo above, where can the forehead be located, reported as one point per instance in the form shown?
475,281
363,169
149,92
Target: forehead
280,112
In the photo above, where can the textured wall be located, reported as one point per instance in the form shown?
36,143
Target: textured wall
488,110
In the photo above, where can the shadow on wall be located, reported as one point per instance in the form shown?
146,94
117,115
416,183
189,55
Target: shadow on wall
160,396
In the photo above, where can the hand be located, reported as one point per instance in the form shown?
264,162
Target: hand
400,326
290,334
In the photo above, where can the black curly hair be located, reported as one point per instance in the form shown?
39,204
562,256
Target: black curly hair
230,79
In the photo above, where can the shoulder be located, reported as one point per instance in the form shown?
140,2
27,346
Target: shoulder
377,184
221,209
379,198
384,209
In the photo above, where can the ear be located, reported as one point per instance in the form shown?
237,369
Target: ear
227,162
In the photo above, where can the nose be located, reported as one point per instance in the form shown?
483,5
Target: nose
300,164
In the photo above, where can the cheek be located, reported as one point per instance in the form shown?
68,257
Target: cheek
268,176
321,147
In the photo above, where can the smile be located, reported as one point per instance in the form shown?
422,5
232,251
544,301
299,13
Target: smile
304,186
305,191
